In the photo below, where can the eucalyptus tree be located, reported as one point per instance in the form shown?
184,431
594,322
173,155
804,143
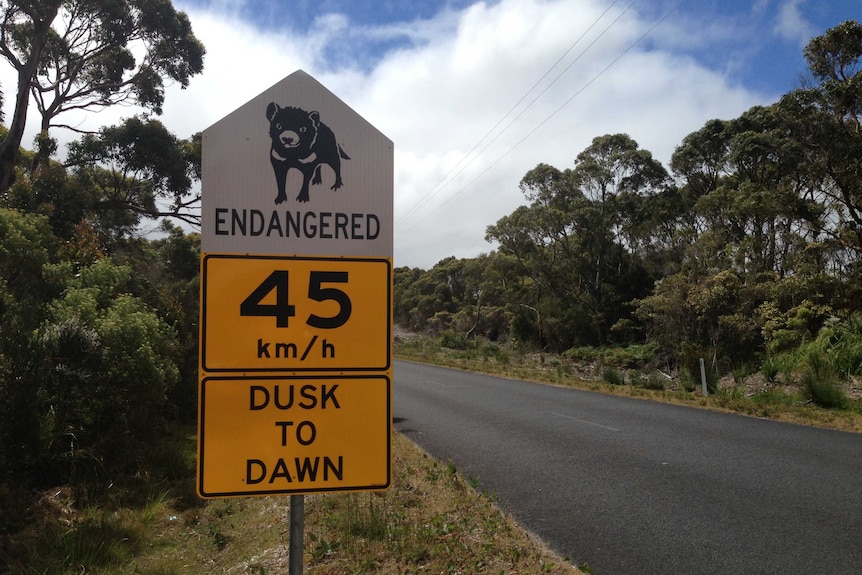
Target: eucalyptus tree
24,32
137,169
543,238
619,181
421,295
750,229
89,55
754,215
579,237
826,119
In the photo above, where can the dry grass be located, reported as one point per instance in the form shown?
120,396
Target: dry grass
430,521
778,402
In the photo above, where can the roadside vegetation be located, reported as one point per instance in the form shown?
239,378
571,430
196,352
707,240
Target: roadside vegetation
803,388
616,274
746,253
431,520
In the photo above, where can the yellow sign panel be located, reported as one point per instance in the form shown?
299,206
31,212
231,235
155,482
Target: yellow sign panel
276,314
279,435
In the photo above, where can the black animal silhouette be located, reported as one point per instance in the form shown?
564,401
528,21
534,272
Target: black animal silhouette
300,140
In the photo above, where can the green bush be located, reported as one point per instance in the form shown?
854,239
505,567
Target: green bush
108,362
451,340
842,341
772,397
820,382
613,376
769,369
729,396
583,354
631,356
628,357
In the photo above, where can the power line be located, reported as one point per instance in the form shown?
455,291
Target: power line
554,113
446,179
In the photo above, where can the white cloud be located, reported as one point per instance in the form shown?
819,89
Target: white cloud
436,101
436,97
791,25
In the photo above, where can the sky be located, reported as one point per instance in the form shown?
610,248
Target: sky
475,94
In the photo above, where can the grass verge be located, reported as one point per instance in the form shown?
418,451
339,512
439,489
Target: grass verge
792,404
431,520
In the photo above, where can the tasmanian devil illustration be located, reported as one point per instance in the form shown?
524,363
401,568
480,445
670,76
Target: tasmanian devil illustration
300,140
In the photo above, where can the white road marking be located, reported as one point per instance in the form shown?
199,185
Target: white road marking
584,421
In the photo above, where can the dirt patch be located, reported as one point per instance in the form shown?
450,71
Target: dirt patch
400,333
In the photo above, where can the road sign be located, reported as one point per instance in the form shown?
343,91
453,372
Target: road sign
277,435
296,297
270,313
276,179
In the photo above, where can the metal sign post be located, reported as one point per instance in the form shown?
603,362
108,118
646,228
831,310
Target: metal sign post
297,537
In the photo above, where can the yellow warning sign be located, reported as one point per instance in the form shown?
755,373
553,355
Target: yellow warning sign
278,435
279,313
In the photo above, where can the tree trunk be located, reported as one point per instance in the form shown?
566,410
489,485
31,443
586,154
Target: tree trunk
9,147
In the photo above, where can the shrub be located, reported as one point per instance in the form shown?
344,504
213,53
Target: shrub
613,376
632,356
820,382
770,370
772,397
108,361
584,354
843,342
451,340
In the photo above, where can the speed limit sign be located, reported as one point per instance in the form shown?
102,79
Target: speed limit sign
270,313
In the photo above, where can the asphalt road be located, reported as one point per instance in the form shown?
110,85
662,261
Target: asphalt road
636,487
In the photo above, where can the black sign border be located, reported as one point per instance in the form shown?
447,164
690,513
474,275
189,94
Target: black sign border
300,491
203,333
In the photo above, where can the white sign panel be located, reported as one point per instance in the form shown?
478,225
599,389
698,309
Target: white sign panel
297,171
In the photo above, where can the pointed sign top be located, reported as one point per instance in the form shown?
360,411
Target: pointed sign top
296,171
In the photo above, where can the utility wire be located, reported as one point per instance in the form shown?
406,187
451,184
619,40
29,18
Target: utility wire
554,113
446,179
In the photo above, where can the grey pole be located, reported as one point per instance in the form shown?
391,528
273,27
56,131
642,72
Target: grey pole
703,377
297,536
